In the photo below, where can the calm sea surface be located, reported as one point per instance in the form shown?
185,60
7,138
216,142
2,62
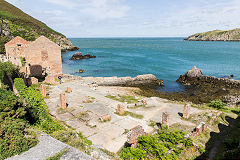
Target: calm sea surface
166,58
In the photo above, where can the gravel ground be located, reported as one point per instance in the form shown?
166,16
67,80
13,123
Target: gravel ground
48,147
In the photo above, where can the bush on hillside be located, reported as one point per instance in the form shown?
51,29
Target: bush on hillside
14,127
166,144
37,107
218,104
12,70
10,106
14,138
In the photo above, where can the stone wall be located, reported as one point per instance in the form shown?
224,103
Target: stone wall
44,55
15,49
133,134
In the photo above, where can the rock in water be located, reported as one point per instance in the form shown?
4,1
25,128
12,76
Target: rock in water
80,71
78,56
194,72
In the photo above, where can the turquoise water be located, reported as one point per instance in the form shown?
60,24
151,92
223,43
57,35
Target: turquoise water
166,58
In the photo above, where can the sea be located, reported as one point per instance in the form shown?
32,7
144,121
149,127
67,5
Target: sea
166,58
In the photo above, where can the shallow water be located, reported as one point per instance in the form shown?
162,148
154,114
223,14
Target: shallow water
166,58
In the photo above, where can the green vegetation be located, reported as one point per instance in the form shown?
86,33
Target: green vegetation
21,24
15,135
12,70
23,62
59,155
232,35
40,113
166,144
37,107
74,139
122,98
218,104
134,115
3,40
21,116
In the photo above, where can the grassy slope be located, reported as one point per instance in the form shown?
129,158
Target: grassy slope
23,25
220,32
17,16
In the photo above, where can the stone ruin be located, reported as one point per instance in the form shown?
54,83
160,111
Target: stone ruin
165,118
198,130
105,118
120,109
186,111
43,90
215,117
133,134
63,103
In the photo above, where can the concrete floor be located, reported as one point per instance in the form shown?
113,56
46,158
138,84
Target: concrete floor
108,134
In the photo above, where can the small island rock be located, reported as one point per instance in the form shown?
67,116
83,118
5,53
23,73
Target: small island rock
78,56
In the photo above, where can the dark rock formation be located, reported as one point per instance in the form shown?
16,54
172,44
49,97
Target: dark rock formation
78,56
210,87
80,71
195,77
217,35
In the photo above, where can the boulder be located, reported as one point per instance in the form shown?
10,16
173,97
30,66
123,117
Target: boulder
80,71
78,56
194,72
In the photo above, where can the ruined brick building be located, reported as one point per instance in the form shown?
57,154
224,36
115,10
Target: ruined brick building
39,58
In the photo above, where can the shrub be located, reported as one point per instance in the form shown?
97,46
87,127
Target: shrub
166,144
9,105
130,153
218,104
12,70
37,107
13,137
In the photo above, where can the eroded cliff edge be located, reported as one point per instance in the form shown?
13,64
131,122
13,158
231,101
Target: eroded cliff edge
216,35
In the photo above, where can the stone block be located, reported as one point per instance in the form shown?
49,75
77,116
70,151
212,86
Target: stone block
105,118
186,111
120,109
63,103
50,80
165,118
33,80
69,90
88,101
43,90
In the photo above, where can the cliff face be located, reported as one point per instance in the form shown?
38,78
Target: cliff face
14,22
217,35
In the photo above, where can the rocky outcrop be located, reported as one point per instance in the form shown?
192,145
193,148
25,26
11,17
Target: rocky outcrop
78,56
217,35
195,77
206,88
147,79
